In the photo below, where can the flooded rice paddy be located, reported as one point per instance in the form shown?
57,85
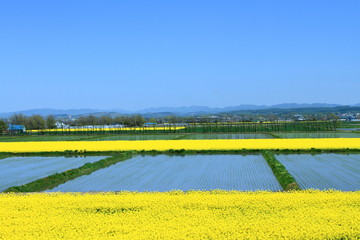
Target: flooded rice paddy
190,172
16,171
324,171
319,135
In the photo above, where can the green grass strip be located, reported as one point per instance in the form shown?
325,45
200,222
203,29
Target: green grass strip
182,136
285,179
4,155
75,153
273,135
56,179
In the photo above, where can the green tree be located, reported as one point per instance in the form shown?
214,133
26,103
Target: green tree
87,120
152,120
92,120
35,122
119,120
50,122
81,121
3,126
139,120
105,120
171,119
18,119
134,121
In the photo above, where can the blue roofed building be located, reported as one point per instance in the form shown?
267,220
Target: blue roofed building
16,128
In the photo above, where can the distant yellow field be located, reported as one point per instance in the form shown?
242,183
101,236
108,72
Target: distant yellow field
107,129
162,145
178,215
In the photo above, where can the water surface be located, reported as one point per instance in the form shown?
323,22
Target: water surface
16,171
165,173
324,171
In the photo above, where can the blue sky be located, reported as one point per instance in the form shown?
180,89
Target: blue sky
139,54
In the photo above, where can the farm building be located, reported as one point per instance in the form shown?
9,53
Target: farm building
16,128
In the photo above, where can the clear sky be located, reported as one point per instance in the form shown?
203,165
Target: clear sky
138,54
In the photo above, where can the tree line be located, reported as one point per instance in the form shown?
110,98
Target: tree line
34,121
3,126
48,122
130,121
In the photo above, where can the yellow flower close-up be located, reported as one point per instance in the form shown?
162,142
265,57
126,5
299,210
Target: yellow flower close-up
215,214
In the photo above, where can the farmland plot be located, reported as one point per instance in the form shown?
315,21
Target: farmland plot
318,135
137,137
37,138
165,173
227,136
127,137
349,129
16,171
324,171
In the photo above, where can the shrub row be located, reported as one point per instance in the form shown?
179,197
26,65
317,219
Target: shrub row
285,179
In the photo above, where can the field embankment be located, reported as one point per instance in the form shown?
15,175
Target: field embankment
285,179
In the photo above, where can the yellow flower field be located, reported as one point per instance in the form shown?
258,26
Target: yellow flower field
107,129
161,145
177,215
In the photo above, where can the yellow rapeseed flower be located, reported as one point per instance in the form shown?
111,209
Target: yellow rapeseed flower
177,215
106,129
162,145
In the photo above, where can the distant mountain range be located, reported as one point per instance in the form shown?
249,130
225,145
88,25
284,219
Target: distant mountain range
164,111
204,109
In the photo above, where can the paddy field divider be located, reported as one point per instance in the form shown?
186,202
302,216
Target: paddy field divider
4,155
285,179
274,135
